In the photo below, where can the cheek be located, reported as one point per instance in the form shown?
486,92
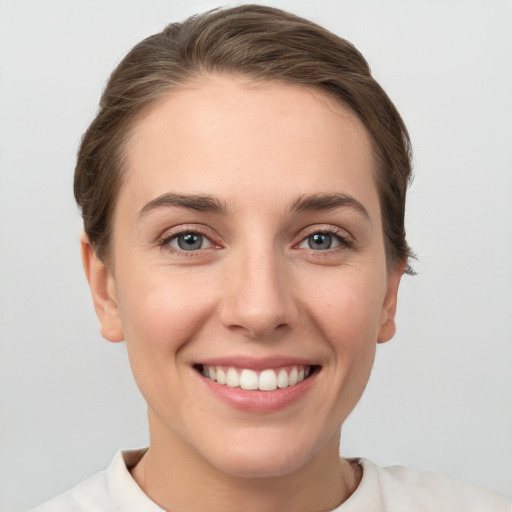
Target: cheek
347,310
160,316
162,311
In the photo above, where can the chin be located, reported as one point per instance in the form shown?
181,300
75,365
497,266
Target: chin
270,457
271,466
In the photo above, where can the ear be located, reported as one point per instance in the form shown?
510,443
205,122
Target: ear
103,290
387,323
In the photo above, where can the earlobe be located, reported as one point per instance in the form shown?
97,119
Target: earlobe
388,326
103,291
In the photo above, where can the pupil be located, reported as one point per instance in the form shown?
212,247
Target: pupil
190,241
320,241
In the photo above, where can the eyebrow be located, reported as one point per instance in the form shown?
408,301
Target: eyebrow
198,202
317,202
207,203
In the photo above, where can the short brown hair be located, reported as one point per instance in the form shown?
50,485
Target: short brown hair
262,43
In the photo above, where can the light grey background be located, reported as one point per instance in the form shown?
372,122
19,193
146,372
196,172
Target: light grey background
441,394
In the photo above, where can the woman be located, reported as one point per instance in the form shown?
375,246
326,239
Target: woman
243,192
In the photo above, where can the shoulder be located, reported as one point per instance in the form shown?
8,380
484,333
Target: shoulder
91,494
110,490
404,489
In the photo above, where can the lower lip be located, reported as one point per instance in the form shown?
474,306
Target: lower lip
259,401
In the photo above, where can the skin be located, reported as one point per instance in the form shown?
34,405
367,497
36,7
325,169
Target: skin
255,289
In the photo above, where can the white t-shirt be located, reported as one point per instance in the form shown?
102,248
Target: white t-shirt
390,489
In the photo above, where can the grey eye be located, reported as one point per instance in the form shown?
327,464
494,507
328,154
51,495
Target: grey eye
190,242
320,241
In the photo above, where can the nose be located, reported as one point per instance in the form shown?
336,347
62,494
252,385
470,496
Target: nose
259,301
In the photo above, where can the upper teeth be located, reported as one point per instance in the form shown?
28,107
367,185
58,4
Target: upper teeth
266,380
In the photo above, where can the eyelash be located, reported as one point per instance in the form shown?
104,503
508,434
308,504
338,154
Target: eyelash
345,240
165,241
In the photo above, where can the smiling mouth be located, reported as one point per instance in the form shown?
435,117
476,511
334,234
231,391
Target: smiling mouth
265,380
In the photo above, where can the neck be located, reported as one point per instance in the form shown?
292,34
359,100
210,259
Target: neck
177,478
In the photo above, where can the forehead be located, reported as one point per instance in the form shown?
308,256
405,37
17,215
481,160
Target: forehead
239,140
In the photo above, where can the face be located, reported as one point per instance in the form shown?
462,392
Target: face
248,253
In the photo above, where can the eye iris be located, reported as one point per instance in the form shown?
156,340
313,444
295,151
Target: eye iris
320,241
190,241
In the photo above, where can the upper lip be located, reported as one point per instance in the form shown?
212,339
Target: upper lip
255,363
